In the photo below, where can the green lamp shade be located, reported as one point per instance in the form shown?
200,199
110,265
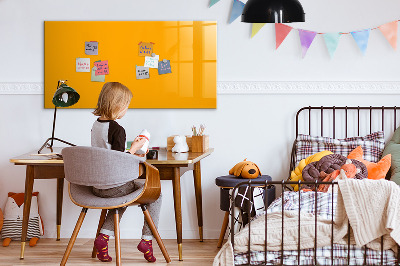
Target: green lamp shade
65,96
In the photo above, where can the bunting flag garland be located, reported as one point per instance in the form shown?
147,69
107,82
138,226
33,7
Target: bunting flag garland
213,2
256,27
389,30
332,41
237,8
361,37
281,31
306,39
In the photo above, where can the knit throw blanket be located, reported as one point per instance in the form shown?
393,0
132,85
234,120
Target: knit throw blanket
371,206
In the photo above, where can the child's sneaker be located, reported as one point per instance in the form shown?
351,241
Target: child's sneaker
101,245
146,247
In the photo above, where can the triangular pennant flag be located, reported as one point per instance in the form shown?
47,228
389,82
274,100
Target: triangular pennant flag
306,39
281,31
361,37
213,2
237,9
390,32
255,28
332,41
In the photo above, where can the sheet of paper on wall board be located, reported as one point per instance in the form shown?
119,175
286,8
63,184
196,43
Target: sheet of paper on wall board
164,67
102,67
151,61
145,48
99,78
83,65
91,48
142,72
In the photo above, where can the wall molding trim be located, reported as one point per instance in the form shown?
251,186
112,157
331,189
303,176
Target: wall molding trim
257,87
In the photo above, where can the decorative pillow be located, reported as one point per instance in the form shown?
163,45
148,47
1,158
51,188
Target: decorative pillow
375,170
393,148
372,144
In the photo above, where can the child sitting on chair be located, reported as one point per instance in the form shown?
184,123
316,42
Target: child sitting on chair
106,133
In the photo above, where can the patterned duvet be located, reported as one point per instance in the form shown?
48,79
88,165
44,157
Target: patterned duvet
306,202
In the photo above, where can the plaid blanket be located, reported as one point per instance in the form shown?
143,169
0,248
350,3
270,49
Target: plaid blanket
323,205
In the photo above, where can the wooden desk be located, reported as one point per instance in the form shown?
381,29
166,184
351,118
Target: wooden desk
171,167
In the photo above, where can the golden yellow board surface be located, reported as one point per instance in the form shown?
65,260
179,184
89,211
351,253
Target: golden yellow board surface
191,47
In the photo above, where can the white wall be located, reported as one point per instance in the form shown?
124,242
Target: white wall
257,127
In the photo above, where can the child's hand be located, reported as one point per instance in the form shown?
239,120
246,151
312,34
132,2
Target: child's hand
142,155
137,144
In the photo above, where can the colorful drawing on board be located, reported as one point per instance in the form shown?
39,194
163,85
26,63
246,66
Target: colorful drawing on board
142,72
102,67
145,48
164,67
151,62
91,48
99,78
83,64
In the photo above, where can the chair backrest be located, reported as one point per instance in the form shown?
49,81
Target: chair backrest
92,166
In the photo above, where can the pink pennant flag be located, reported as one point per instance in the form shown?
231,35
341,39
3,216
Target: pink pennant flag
281,31
306,39
389,30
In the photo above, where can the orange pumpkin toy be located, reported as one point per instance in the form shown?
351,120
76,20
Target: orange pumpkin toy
245,169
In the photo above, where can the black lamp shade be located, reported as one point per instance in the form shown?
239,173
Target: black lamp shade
65,96
273,11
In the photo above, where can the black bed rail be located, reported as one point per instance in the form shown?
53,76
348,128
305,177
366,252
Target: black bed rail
265,185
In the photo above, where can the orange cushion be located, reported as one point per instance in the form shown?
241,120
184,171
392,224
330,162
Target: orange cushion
375,170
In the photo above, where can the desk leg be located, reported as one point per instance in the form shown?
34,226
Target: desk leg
60,190
176,182
27,206
199,204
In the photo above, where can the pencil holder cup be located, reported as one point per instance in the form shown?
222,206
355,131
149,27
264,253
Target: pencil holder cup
200,143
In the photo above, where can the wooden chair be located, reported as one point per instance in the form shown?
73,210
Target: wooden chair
85,167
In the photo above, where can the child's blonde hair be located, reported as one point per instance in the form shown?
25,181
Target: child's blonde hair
113,97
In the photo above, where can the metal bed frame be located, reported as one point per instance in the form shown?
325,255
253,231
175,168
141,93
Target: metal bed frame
283,184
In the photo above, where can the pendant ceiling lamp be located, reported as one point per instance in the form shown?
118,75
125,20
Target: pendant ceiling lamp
273,11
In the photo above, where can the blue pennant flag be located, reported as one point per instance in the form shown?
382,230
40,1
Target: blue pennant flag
237,9
361,38
332,41
213,2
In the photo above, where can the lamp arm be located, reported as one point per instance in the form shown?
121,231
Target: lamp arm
54,126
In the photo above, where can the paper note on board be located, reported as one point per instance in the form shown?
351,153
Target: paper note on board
151,62
99,78
102,67
164,67
91,48
145,48
83,65
142,72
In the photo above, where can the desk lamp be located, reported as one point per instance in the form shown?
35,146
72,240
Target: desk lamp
63,97
273,11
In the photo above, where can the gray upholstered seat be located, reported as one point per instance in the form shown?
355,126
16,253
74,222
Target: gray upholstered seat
83,196
85,167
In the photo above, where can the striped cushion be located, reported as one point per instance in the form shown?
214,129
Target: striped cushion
13,228
372,145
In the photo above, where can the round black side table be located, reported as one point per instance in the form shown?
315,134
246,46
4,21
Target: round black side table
228,182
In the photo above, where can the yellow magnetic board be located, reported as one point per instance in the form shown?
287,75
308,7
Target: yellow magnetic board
190,46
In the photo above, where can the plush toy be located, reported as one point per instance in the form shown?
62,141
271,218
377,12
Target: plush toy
180,144
13,215
245,169
375,170
296,174
348,170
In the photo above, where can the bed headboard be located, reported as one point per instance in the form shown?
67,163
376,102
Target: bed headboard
344,121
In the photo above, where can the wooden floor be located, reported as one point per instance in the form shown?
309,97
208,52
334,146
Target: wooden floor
50,252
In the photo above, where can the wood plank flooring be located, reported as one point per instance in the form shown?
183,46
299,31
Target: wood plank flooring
50,252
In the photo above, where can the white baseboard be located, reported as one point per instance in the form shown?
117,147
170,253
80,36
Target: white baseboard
258,87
